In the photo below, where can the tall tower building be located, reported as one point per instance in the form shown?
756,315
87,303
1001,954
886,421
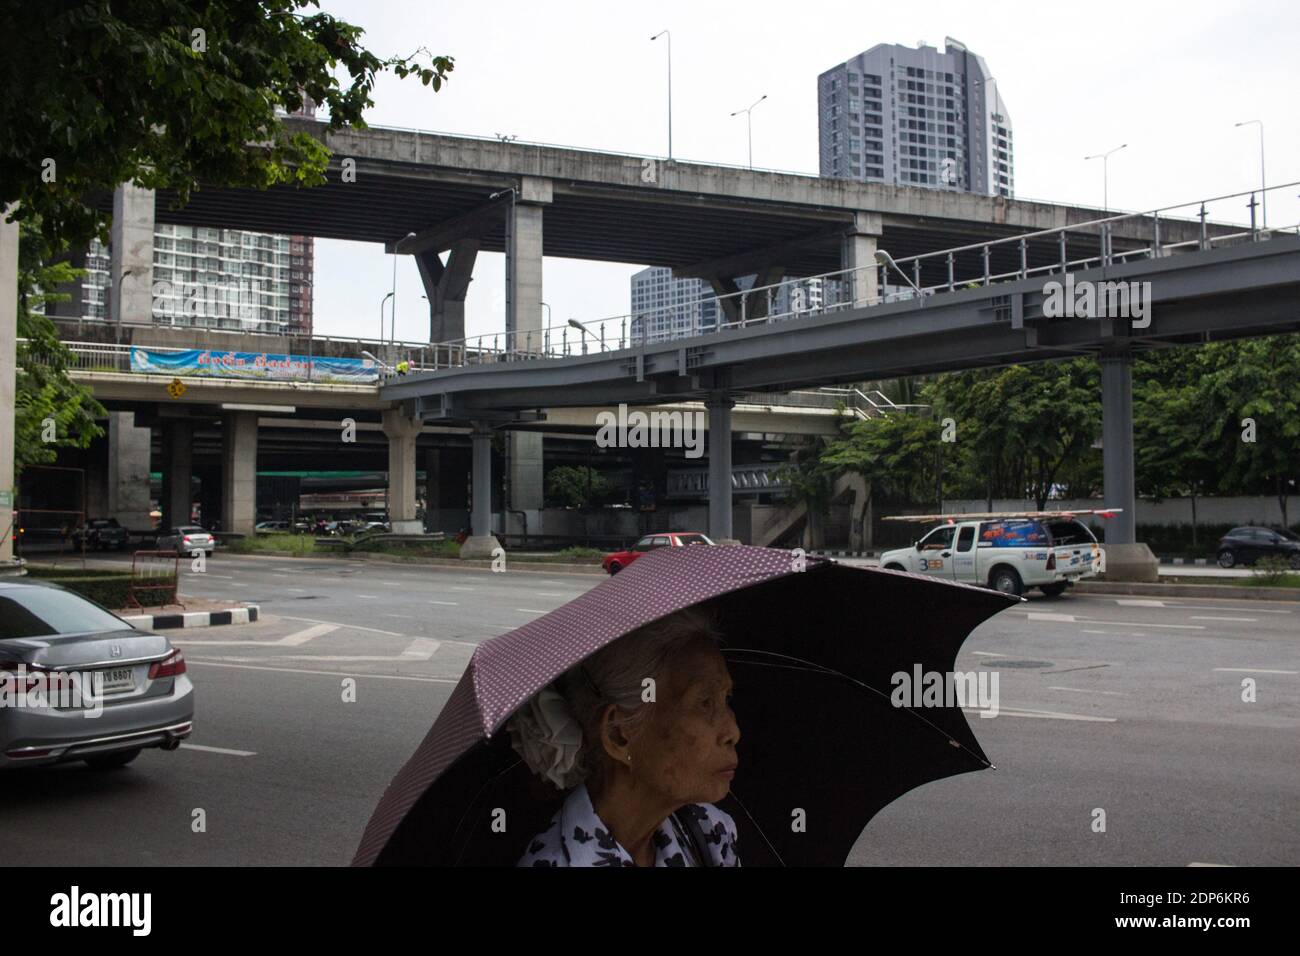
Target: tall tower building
916,117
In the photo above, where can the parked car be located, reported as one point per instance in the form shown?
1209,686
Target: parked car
616,562
100,534
136,681
271,526
1248,544
1008,554
186,540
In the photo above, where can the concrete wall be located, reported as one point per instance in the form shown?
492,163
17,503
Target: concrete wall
1257,510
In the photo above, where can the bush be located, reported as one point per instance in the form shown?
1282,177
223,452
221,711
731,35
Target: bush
111,589
1273,571
581,554
273,541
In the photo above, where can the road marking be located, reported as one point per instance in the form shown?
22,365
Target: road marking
1211,617
391,584
405,617
296,639
549,594
1207,607
351,627
1139,602
1084,690
531,610
988,654
223,577
297,670
1071,619
448,603
369,597
1252,670
1045,616
454,588
421,649
1212,864
1086,631
297,590
219,750
1043,714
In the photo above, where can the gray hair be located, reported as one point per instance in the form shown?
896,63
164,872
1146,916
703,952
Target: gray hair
616,673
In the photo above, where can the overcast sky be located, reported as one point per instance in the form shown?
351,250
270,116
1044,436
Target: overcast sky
1168,79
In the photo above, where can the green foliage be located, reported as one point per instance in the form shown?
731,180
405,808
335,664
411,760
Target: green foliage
172,94
578,486
44,391
111,590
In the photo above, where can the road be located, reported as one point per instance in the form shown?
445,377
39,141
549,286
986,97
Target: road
1125,705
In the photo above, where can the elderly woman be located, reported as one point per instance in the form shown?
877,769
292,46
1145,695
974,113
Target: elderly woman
644,733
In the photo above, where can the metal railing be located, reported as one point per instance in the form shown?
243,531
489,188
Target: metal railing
959,267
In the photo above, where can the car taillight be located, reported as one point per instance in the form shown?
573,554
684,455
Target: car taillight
33,675
1051,561
170,666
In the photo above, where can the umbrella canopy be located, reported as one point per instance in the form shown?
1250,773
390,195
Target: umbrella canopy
812,654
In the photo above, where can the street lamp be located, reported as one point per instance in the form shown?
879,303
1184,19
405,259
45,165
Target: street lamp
396,246
378,361
665,33
381,317
1263,196
585,332
886,260
749,126
1105,174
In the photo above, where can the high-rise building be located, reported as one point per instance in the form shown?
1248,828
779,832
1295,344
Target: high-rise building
916,117
664,307
217,278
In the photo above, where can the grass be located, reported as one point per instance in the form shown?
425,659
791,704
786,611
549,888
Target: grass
273,541
1273,572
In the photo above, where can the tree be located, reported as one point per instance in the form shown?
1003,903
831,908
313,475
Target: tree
578,487
50,409
171,94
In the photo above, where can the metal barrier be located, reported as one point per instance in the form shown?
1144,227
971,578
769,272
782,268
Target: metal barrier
150,575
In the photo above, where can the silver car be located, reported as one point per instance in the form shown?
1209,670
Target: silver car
187,540
79,683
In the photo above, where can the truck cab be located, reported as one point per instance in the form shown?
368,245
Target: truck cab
1009,554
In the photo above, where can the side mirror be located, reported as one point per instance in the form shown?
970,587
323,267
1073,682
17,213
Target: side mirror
917,545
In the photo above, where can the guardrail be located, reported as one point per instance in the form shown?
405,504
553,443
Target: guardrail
845,289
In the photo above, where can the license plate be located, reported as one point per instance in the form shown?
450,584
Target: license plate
120,680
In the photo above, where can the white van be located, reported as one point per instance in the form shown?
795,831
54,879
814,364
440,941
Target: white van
1047,551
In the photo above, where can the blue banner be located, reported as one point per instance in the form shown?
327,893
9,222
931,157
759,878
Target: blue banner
263,365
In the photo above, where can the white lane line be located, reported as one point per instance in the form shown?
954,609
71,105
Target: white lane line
1252,670
369,597
1045,616
1211,617
1212,864
392,584
421,649
549,594
532,610
1043,714
447,603
296,639
297,670
1086,631
455,588
351,627
1253,610
220,750
1085,690
221,577
988,654
297,590
1139,602
404,617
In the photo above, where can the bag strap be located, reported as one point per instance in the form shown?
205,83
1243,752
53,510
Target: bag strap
695,836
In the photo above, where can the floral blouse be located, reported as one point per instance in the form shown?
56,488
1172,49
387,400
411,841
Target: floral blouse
578,837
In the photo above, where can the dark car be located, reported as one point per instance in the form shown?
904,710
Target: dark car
616,562
101,534
80,683
1248,544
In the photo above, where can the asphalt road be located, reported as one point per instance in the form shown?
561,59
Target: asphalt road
1130,706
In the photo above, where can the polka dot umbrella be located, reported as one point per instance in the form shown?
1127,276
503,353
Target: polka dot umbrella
813,647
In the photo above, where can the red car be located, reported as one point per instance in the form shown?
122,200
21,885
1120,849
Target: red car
617,561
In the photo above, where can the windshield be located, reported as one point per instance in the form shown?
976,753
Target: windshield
685,539
39,612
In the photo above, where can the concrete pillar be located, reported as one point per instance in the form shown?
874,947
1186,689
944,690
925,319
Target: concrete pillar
730,306
402,432
526,472
131,251
719,405
524,263
129,500
239,472
446,287
178,472
858,252
8,381
756,302
1126,560
482,543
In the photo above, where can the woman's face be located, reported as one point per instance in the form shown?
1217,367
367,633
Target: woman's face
687,750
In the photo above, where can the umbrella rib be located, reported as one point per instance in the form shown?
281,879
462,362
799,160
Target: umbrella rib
735,796
465,816
823,669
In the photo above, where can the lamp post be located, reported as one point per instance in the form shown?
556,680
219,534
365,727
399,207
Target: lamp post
510,259
665,33
585,332
1105,174
748,111
1263,196
393,325
381,316
886,260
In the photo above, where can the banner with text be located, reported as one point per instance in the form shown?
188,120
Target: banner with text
263,365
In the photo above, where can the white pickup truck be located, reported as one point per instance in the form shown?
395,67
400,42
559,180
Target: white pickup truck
1009,554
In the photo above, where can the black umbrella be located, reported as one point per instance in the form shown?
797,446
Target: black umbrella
812,653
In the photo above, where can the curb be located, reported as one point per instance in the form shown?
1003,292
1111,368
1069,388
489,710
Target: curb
422,561
1187,590
157,622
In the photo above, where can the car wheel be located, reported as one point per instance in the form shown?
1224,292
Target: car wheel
112,761
1007,581
1227,559
614,568
1053,590
895,567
